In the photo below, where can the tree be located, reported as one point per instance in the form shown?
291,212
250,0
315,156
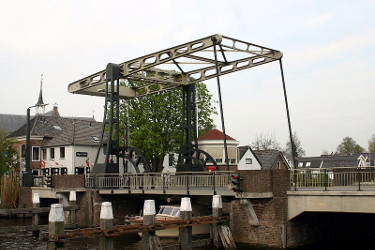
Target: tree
155,121
265,142
8,155
371,144
299,151
348,146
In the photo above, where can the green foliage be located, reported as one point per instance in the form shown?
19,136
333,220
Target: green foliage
349,146
371,144
155,121
8,155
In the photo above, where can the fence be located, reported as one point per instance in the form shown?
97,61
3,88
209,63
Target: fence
214,179
334,178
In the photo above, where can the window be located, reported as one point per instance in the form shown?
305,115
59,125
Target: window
249,161
36,151
44,153
23,150
52,153
219,160
308,164
62,152
232,161
95,138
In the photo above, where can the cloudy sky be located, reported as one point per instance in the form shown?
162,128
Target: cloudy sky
328,48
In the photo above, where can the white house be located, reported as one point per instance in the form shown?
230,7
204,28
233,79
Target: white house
59,142
247,159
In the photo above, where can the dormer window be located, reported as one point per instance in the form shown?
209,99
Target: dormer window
57,127
95,138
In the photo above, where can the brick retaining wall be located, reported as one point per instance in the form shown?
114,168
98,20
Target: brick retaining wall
271,212
68,181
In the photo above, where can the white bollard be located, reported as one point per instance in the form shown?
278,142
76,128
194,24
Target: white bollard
106,212
148,237
149,207
36,199
56,214
72,196
185,204
185,233
106,222
216,201
56,221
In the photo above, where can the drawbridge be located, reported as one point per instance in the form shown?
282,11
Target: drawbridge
177,67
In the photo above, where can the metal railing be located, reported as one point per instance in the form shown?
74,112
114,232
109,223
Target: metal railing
333,178
182,180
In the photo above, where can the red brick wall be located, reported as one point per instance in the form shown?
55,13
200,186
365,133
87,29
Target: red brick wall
33,164
68,181
257,181
271,212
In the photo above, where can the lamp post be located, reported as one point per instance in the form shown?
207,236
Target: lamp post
28,176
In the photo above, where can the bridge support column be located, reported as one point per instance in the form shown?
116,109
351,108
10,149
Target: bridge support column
106,222
185,233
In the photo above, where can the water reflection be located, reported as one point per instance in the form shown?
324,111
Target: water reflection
13,235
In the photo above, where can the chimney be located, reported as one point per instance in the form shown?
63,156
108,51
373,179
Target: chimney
55,111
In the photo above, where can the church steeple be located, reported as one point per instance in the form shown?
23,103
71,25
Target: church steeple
40,106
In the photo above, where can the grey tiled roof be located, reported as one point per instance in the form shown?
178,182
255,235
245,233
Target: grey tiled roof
329,161
61,130
10,123
267,158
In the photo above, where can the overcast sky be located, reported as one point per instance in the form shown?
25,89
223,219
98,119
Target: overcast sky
328,47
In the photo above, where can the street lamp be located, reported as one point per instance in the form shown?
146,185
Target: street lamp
28,176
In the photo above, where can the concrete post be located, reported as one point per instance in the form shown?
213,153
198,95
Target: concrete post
185,232
35,220
63,200
217,211
148,219
106,222
72,204
55,225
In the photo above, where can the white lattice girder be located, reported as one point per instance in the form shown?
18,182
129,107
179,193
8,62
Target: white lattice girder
202,66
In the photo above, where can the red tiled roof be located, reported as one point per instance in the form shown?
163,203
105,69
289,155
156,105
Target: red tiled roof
214,134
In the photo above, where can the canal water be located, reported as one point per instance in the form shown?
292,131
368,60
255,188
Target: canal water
13,235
